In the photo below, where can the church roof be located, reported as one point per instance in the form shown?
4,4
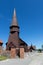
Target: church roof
22,42
14,20
32,47
1,42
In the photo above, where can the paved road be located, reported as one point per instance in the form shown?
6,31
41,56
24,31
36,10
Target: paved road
36,59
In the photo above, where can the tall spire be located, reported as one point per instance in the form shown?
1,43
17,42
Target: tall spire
14,21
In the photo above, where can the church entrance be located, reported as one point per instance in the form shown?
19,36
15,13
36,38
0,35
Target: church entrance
9,48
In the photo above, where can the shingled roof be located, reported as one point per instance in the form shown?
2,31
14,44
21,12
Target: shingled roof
14,20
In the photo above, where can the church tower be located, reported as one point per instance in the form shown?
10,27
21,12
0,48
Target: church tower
13,40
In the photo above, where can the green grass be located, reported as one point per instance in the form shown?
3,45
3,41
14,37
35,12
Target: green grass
3,58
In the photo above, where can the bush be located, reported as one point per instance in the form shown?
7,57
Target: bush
39,50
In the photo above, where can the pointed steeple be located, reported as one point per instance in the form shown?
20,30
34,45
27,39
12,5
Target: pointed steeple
14,20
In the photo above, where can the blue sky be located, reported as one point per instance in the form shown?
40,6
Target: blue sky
30,20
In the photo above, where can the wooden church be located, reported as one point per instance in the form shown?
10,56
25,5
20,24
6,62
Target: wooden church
14,41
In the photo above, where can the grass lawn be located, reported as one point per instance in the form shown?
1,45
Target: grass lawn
3,58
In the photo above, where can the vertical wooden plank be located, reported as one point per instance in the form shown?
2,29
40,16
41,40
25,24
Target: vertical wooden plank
13,52
21,52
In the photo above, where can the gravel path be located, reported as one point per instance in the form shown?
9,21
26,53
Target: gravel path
34,59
